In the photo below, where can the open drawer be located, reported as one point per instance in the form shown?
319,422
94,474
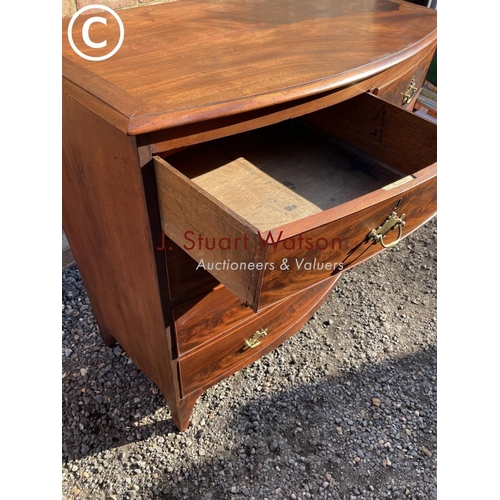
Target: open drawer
272,211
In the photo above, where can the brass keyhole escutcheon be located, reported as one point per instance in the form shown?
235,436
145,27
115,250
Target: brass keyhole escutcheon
256,339
410,92
392,221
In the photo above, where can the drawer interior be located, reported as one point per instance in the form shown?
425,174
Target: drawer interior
317,186
280,174
289,171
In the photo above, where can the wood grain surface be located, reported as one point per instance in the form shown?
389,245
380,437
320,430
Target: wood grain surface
380,130
222,357
197,70
215,128
196,60
203,319
279,174
106,221
186,208
394,91
308,266
248,186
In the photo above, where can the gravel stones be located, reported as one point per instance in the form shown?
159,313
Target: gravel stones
301,422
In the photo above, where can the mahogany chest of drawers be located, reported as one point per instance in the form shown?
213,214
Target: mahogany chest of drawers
229,162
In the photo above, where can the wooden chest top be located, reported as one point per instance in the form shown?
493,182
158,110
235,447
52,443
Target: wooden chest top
194,60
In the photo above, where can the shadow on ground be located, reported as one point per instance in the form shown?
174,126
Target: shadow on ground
320,438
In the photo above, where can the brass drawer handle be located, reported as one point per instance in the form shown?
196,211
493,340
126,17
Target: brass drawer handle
256,338
410,92
377,235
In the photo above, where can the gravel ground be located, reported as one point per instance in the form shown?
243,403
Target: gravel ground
345,409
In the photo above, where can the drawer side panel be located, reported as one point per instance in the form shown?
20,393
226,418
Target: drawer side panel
188,214
380,130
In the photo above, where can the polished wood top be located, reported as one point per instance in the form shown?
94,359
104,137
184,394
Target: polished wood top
194,60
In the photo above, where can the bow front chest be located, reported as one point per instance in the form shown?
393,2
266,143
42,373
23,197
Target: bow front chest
229,161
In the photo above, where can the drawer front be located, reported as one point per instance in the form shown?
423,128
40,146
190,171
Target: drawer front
404,91
240,206
321,252
224,356
203,319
